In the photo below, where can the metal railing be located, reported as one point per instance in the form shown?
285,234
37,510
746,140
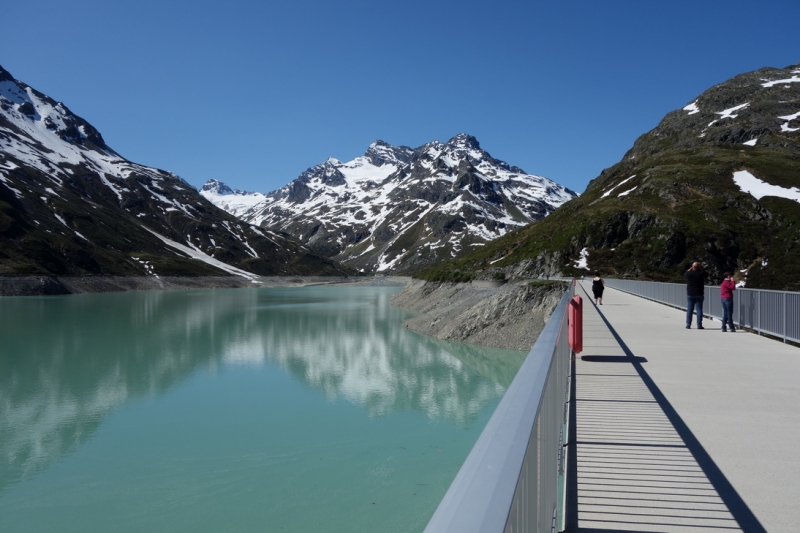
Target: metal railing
510,480
771,312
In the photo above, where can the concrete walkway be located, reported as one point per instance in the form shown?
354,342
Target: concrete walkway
681,430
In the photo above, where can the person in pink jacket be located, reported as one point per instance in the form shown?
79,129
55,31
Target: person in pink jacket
726,294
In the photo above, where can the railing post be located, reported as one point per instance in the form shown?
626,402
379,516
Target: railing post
784,318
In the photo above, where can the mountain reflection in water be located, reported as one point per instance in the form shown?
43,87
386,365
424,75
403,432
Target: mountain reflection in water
68,362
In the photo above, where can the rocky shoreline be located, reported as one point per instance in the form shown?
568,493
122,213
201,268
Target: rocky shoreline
510,316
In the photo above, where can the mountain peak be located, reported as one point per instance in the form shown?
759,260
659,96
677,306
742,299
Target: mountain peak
216,187
381,153
464,140
28,105
5,75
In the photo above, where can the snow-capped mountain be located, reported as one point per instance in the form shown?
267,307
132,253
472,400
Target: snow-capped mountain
234,201
397,209
70,205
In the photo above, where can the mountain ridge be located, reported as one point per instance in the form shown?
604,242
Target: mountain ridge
397,209
72,206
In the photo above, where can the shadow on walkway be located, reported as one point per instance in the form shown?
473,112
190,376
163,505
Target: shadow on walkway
634,465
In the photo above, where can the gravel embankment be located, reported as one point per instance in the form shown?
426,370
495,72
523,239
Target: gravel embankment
510,316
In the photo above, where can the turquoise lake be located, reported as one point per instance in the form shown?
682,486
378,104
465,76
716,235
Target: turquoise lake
244,410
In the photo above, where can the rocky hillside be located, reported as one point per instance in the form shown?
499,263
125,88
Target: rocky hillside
397,209
71,206
510,316
718,181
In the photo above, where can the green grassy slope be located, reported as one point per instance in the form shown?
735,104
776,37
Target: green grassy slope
681,202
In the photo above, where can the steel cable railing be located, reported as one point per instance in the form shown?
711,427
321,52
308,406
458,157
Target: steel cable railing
510,480
768,312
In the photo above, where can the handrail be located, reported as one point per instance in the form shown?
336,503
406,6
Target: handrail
510,480
765,311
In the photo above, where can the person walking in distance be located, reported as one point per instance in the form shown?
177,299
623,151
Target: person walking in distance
726,289
598,285
695,279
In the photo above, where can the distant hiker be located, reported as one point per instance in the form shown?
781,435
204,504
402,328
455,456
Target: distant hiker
598,285
726,294
695,294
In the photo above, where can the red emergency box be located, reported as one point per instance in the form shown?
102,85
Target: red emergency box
575,318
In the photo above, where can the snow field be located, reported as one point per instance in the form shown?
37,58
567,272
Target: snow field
759,188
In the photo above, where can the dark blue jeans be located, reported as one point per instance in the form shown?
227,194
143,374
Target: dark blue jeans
727,314
694,303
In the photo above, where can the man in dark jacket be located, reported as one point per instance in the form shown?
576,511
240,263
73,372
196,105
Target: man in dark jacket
695,293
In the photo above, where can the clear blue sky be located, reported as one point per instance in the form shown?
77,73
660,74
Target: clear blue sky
254,92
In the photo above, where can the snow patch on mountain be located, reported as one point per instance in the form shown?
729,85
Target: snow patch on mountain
692,108
759,188
728,113
793,79
583,259
788,118
195,253
617,186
